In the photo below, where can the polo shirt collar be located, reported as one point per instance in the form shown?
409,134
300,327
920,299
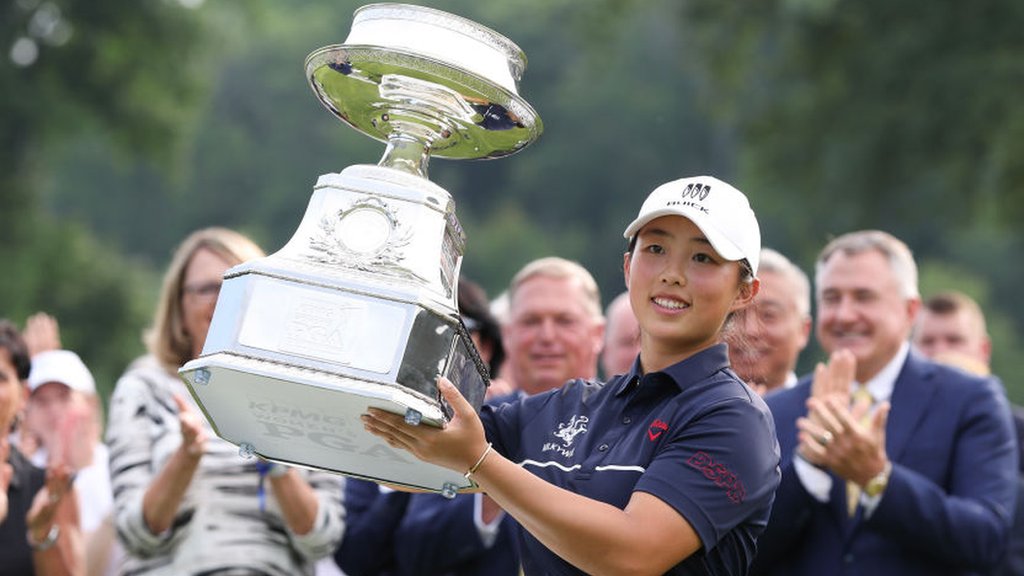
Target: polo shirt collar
684,373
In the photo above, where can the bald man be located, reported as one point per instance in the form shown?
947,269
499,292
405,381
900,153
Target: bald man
621,337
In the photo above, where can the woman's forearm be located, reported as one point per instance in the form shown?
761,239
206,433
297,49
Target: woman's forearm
165,494
297,500
648,537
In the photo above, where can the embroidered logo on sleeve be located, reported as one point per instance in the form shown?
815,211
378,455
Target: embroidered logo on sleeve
656,428
722,476
567,432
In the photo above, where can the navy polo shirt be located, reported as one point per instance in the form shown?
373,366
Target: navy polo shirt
692,435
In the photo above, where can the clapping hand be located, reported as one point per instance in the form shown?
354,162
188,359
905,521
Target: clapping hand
42,333
41,515
71,444
193,433
837,435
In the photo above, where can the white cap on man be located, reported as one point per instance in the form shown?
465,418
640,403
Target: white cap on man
63,366
721,212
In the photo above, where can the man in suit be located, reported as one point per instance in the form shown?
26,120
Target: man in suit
918,479
553,333
951,329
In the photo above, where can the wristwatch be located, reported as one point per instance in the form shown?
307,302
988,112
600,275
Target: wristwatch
877,485
46,543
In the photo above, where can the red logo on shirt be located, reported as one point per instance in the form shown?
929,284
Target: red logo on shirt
655,430
721,475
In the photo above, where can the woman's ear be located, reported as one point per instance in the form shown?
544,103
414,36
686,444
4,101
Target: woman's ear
748,290
626,258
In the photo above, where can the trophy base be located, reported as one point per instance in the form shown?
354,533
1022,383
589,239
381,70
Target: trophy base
357,311
308,418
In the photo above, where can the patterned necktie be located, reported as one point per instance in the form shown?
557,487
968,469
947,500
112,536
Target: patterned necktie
860,395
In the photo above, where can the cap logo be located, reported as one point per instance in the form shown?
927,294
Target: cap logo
696,191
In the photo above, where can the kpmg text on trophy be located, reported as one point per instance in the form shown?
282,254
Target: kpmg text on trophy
359,308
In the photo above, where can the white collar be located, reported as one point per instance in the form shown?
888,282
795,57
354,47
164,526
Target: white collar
791,380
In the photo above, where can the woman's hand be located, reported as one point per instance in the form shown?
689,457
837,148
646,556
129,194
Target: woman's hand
42,333
71,444
41,515
193,434
457,446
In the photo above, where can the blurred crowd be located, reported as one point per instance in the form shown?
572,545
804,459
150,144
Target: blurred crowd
919,475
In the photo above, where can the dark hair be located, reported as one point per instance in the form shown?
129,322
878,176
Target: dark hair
746,271
476,312
11,340
167,339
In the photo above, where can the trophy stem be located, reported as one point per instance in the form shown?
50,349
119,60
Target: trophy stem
406,153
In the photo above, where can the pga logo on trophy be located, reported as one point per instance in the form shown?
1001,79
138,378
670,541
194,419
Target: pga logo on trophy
359,308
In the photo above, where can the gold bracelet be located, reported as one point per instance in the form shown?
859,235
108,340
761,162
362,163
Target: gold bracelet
472,469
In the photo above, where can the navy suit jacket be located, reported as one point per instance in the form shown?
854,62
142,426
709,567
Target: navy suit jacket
371,520
950,499
439,536
403,534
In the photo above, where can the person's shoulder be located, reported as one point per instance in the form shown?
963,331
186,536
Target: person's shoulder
146,369
949,376
788,404
1018,417
733,394
795,394
572,391
143,377
952,385
504,399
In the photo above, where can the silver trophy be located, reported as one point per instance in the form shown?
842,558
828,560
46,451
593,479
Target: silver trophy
359,308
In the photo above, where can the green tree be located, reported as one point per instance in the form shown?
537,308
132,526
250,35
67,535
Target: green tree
879,114
135,71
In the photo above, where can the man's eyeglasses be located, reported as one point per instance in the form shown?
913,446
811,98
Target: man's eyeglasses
203,291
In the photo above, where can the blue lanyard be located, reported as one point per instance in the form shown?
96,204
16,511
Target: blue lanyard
263,467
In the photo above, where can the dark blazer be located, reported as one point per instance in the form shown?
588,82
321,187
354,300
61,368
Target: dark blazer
371,520
949,501
439,536
403,534
1013,563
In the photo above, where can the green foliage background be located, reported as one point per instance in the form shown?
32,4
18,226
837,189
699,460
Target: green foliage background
153,118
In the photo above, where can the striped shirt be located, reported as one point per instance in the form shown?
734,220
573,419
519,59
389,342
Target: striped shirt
224,522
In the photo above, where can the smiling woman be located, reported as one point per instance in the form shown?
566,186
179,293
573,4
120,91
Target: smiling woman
39,526
183,495
670,468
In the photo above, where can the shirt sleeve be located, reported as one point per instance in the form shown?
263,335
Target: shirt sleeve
718,469
329,524
136,421
816,481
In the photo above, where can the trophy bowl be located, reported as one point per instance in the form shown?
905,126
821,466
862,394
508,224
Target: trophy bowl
359,308
415,72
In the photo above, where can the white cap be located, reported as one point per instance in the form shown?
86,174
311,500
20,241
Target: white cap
721,212
62,366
